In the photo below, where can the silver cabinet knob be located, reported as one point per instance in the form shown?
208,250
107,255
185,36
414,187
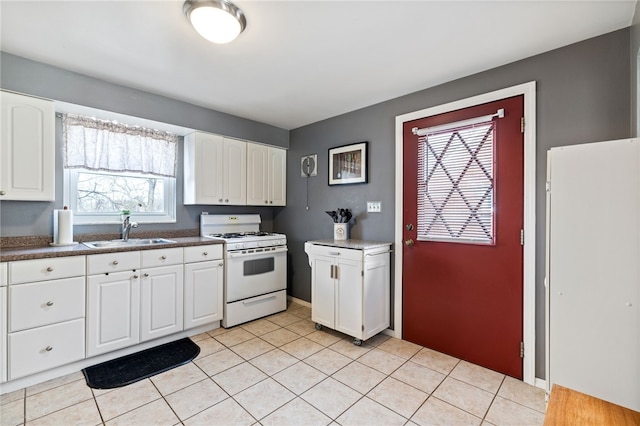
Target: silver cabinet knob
48,348
135,276
49,303
3,193
220,264
49,269
226,200
163,257
220,200
205,253
115,262
270,202
266,202
146,274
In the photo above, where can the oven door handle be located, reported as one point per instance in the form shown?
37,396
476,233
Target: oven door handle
255,252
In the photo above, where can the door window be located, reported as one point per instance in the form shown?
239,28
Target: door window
456,185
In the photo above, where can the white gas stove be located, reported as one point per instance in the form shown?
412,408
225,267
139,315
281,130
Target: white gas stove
255,266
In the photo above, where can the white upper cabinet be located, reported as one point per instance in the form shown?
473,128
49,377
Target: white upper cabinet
234,182
214,170
266,175
27,160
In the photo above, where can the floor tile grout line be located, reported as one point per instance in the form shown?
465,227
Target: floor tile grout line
330,346
495,395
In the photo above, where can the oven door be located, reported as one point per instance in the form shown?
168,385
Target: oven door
255,272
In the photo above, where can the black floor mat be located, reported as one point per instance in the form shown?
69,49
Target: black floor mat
140,365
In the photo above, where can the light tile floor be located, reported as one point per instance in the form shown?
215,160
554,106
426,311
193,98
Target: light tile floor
282,371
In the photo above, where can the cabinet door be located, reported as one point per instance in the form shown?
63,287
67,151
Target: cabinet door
203,168
349,297
277,177
257,174
3,335
162,302
202,293
322,291
235,172
113,311
43,348
376,303
27,169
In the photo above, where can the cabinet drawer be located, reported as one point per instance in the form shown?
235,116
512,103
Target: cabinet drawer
25,271
339,253
46,347
113,262
160,257
202,253
43,303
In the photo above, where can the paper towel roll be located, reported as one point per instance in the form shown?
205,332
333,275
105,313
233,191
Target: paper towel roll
63,226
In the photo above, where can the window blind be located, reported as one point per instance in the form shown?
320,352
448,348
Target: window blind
456,184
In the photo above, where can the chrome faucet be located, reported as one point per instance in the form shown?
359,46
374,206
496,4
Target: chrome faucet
126,227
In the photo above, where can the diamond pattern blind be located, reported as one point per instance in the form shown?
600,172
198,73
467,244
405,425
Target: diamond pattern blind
456,184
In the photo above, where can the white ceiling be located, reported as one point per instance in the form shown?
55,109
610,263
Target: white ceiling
298,62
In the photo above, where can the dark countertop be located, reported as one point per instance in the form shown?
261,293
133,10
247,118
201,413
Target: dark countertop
41,252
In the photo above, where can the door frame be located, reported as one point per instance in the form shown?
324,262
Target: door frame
529,251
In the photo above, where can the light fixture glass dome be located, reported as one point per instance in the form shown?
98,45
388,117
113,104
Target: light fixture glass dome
219,21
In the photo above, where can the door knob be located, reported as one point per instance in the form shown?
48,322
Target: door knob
409,242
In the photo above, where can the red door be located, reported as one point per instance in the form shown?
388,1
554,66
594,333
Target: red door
461,296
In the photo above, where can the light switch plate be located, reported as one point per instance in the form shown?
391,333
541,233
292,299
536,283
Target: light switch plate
374,206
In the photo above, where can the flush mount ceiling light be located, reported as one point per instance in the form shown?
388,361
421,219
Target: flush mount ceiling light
219,21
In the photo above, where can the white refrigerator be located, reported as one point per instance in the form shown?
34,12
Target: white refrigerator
593,270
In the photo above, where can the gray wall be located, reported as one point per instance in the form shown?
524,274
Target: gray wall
583,95
34,78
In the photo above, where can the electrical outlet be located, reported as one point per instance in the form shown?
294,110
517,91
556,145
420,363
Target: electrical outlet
374,206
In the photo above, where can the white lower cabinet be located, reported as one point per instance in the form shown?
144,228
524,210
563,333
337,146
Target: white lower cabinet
3,333
41,348
203,288
161,311
203,285
350,287
113,311
45,314
57,311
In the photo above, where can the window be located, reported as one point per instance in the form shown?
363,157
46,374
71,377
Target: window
110,167
455,184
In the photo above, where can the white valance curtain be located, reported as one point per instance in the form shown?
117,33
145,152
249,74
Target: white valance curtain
94,144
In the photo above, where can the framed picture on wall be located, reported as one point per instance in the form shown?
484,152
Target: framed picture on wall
348,164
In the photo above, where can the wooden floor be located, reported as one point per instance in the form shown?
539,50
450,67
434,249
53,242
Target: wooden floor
569,407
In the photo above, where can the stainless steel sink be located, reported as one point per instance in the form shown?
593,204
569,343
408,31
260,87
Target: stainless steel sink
132,242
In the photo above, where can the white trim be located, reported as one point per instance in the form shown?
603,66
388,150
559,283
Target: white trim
540,383
529,291
70,189
299,301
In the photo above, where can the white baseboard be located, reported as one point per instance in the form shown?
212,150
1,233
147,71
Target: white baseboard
540,383
299,301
